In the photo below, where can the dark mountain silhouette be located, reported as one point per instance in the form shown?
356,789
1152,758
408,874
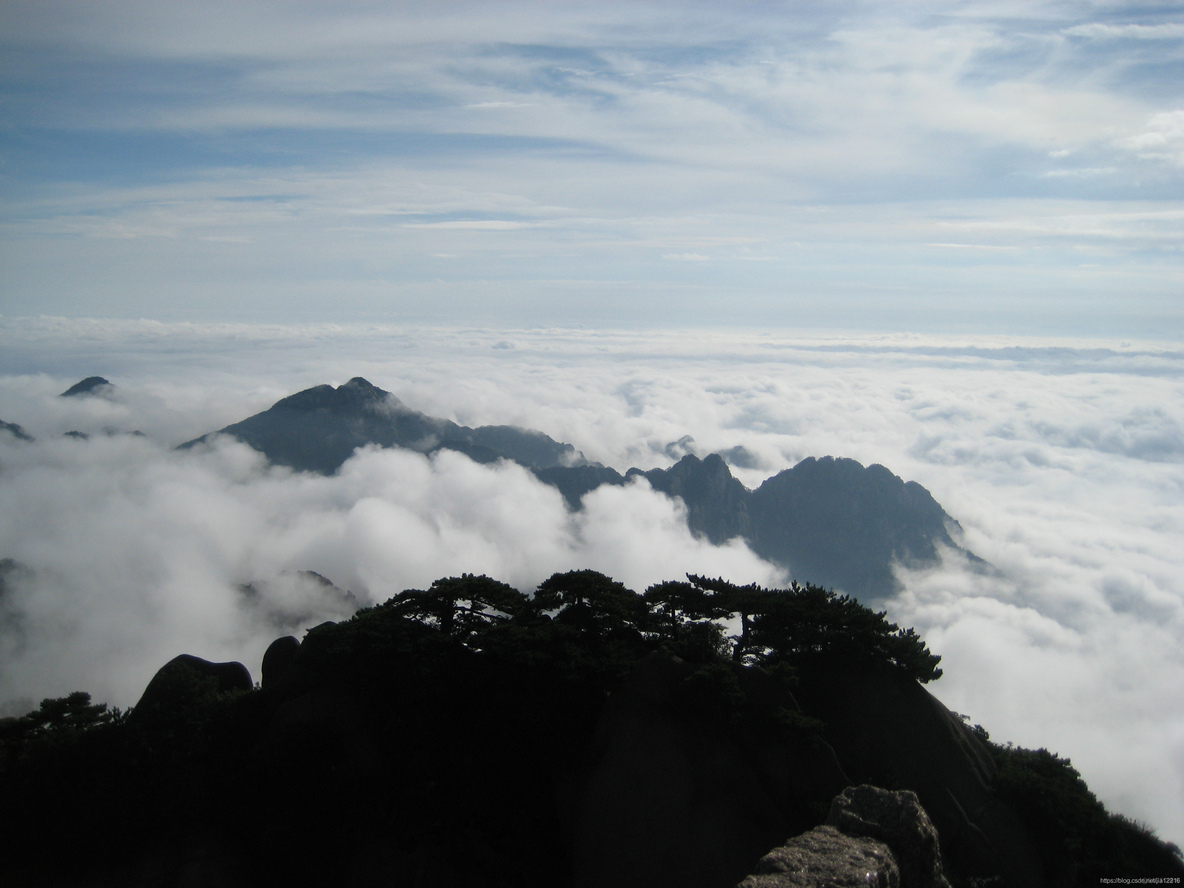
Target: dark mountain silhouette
92,385
318,429
15,430
575,481
109,432
587,736
717,504
830,521
841,524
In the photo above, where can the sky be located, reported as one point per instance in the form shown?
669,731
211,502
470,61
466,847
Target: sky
935,166
942,237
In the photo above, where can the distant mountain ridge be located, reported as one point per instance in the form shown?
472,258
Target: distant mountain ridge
318,429
829,521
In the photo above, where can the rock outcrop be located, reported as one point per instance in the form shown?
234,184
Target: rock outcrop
184,681
673,798
824,857
279,663
897,819
887,729
871,837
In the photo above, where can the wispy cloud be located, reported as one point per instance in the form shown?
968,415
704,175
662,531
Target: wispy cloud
1163,138
614,137
500,105
1102,31
475,224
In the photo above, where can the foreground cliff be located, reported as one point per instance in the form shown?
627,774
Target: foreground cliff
586,736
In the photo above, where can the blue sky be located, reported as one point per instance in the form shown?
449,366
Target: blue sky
943,167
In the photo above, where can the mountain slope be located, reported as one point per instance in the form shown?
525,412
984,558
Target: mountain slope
318,429
717,503
470,734
842,524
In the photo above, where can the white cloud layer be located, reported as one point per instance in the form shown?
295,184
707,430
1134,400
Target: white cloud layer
137,552
1063,460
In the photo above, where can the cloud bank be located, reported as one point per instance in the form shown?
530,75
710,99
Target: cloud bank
129,552
1062,460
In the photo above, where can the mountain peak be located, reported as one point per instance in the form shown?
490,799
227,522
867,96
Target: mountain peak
92,385
841,523
350,396
319,428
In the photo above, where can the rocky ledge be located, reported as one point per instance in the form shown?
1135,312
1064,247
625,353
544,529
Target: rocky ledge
872,837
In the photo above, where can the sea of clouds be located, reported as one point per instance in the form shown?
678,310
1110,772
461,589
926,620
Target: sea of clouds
1063,462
